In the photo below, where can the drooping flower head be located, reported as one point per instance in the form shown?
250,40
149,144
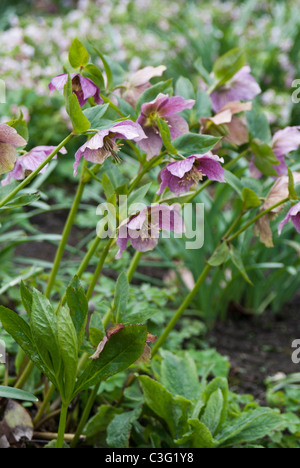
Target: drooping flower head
166,108
180,176
103,144
283,142
241,87
294,216
28,163
9,141
84,88
143,230
139,82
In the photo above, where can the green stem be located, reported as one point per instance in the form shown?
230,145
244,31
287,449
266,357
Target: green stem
66,231
99,269
25,374
36,172
62,426
85,415
133,265
153,162
253,220
181,310
42,408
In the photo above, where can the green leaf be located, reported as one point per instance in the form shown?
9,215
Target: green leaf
26,296
108,72
228,65
138,196
164,131
117,438
198,64
122,350
184,88
253,425
121,297
234,182
292,192
219,383
94,114
94,73
20,125
251,200
79,121
16,394
203,106
173,409
179,375
44,331
78,305
21,333
22,200
68,346
99,422
198,437
194,143
213,411
238,262
150,94
78,55
264,158
219,256
258,125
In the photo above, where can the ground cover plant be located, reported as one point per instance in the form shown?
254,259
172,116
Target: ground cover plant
148,189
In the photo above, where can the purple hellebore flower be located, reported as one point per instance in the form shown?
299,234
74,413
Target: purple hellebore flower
283,142
166,108
179,176
143,229
84,88
103,144
30,162
9,141
294,216
241,87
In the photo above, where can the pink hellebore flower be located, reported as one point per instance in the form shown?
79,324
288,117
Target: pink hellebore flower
30,162
294,216
283,142
103,144
241,87
9,141
166,108
139,82
180,176
143,229
84,88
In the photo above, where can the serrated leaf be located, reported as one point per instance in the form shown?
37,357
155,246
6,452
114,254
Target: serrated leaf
78,305
115,437
213,411
194,143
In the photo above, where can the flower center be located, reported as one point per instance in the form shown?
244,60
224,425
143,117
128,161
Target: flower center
110,147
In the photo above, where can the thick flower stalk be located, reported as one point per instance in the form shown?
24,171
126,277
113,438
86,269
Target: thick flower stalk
166,108
84,88
180,176
28,163
10,140
103,144
143,230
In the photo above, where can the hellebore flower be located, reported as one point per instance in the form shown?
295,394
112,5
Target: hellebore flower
143,229
103,144
283,142
9,141
279,191
180,176
84,88
241,87
30,162
166,108
294,216
226,124
139,82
